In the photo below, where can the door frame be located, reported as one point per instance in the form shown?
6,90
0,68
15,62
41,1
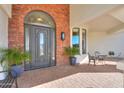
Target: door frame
54,43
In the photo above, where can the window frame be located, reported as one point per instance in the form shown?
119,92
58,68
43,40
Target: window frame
80,39
85,38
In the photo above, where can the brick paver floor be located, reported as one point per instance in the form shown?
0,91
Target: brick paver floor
66,76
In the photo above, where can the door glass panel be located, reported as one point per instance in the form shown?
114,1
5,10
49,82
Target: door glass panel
53,45
41,44
27,38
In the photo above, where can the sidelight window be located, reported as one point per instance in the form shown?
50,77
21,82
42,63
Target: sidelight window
79,39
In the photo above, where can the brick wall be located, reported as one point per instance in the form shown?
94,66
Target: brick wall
60,14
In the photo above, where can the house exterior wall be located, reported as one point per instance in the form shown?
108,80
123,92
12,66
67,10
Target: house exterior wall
5,13
60,14
3,28
3,34
105,42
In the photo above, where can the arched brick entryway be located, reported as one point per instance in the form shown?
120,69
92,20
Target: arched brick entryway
60,13
40,39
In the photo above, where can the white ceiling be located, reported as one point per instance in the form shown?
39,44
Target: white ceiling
97,17
118,13
103,23
81,13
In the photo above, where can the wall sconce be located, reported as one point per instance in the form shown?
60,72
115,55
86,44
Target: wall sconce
62,36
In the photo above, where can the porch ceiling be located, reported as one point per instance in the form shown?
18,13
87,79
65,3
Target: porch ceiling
103,23
81,13
98,17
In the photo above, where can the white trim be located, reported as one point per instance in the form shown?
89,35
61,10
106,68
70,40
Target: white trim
80,36
87,46
80,46
71,37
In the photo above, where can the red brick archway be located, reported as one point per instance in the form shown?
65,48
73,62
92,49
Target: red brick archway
60,14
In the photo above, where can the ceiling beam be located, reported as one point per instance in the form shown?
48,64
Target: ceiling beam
7,9
118,13
116,29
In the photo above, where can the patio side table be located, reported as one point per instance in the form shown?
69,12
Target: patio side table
102,57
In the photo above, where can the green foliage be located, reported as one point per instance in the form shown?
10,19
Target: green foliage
14,56
71,51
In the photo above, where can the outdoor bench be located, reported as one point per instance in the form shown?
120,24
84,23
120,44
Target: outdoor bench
8,82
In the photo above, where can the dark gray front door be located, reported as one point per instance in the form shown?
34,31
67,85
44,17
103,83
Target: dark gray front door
41,47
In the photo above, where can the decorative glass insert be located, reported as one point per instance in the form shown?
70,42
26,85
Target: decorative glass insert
37,17
27,38
41,44
75,37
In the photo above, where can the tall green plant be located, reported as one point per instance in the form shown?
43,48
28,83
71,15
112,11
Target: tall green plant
71,51
14,56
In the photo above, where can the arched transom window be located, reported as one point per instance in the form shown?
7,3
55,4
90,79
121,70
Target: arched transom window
39,18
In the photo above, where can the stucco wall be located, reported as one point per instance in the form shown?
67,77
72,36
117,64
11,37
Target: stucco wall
104,42
60,14
3,29
3,35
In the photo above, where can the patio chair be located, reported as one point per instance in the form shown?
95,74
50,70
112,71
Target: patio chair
92,58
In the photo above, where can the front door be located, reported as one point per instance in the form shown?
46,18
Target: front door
41,47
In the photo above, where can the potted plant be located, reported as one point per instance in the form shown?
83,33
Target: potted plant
15,58
71,52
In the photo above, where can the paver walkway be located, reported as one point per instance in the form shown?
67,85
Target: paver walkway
73,76
87,80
